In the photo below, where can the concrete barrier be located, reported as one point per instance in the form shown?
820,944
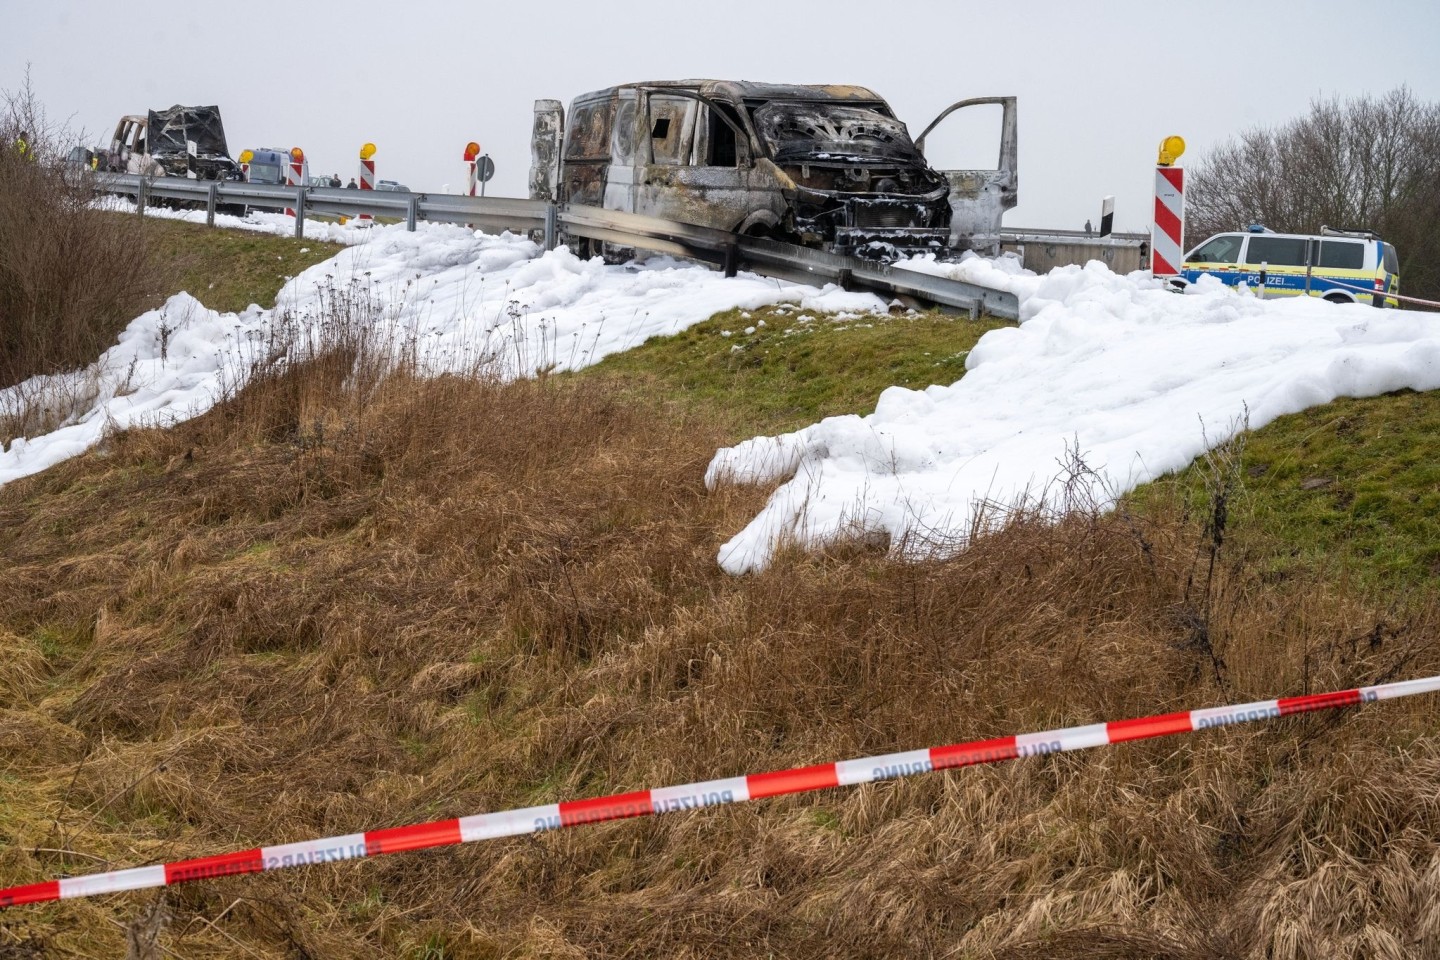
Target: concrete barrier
1042,252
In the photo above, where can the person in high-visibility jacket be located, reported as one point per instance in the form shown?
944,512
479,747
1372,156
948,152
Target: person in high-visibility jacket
22,145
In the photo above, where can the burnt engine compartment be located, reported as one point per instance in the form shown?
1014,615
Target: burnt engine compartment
860,185
874,211
202,168
190,142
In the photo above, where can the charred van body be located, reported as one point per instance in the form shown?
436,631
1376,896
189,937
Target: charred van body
178,142
824,166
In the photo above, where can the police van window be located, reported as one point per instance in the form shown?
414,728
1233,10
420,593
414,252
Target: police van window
1392,262
1275,251
589,134
1218,250
669,129
1342,254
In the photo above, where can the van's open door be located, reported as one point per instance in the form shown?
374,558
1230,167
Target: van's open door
545,147
979,198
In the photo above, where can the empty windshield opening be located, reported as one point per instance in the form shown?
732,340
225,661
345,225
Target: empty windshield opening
795,130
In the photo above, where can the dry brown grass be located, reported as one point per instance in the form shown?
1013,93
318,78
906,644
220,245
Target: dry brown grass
321,609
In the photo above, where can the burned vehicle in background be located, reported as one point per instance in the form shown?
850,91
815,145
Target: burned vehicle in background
824,166
178,142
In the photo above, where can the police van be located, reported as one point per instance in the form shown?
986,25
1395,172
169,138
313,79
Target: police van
1342,266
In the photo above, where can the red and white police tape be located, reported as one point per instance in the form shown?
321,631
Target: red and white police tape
692,796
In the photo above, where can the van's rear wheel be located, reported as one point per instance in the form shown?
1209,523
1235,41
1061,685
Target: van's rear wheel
1338,298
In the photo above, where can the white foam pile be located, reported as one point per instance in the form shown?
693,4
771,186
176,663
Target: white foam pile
451,298
1137,380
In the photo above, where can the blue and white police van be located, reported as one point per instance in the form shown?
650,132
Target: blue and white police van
1341,266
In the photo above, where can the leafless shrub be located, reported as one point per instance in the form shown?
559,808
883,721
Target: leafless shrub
71,277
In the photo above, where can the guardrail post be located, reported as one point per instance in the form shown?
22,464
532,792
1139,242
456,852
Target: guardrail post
551,215
141,195
210,201
732,259
300,214
412,212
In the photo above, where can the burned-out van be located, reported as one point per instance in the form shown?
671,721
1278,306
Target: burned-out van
178,142
824,166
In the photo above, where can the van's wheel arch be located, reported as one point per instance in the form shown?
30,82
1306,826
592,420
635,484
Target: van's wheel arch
761,223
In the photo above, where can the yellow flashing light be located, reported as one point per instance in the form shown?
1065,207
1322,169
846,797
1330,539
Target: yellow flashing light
1170,150
367,151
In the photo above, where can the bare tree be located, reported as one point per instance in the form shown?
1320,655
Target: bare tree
1364,163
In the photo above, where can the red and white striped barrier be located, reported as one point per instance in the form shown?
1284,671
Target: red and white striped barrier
296,173
692,796
367,172
1168,232
472,171
1169,228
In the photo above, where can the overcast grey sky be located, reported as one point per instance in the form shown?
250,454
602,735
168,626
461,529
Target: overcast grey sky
1099,84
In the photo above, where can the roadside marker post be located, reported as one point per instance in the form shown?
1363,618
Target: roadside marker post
1107,216
1168,231
693,796
367,172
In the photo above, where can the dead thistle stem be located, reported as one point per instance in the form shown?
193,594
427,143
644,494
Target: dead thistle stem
1221,475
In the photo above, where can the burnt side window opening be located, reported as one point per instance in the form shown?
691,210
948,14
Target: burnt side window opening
672,129
589,134
724,151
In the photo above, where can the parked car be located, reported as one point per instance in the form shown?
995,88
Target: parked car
391,185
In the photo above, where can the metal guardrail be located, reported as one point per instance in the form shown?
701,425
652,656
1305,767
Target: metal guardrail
726,250
1021,234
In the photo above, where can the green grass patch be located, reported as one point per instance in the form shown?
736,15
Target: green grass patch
779,368
228,270
1351,488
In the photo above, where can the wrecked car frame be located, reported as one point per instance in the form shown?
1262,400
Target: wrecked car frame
823,166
